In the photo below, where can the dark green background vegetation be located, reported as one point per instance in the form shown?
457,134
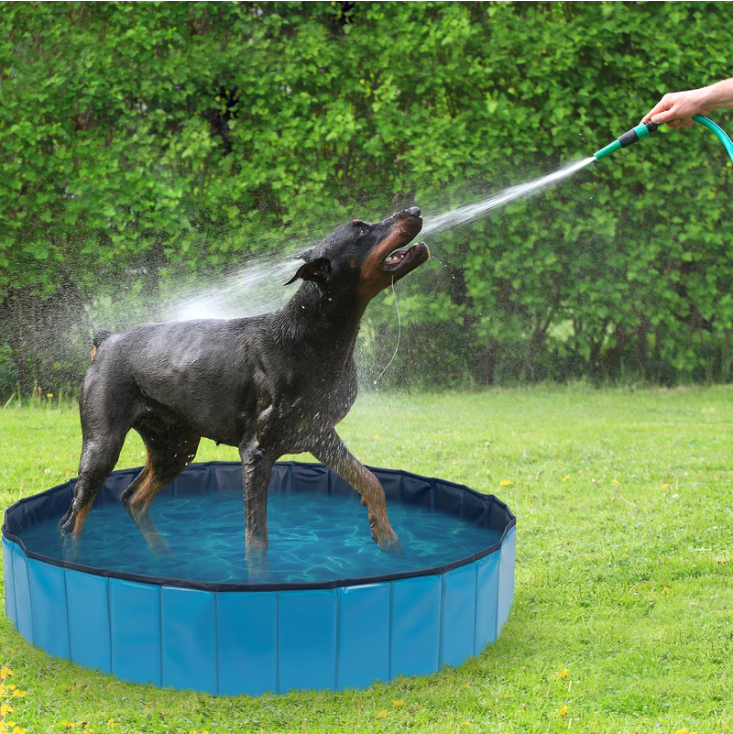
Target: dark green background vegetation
142,142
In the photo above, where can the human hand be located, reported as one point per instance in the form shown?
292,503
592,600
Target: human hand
678,109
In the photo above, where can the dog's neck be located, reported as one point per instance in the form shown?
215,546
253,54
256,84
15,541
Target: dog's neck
319,319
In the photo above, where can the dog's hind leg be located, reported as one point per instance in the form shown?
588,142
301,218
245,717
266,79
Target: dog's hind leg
98,457
168,455
330,450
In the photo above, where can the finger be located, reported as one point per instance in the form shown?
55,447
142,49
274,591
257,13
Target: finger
660,106
666,116
674,123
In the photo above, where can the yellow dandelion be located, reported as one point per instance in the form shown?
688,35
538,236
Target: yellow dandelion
666,590
3,690
505,483
5,672
376,438
18,730
10,686
564,673
616,482
49,394
565,479
6,709
382,714
466,685
19,694
111,722
563,711
398,703
665,485
682,731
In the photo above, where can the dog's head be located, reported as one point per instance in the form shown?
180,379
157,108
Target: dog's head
366,257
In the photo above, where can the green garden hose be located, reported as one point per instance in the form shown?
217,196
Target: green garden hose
710,125
647,128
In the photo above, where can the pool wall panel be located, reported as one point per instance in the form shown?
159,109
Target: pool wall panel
506,578
458,616
415,615
487,599
188,637
418,494
23,606
225,477
136,625
307,639
9,581
280,479
50,617
87,599
193,481
252,641
363,635
307,478
247,642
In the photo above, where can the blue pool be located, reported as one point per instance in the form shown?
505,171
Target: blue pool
333,612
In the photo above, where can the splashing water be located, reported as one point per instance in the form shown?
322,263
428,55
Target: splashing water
257,288
472,212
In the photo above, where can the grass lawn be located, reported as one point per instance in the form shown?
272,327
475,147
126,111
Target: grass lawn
623,613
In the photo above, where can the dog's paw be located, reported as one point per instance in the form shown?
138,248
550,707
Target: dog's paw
391,546
160,549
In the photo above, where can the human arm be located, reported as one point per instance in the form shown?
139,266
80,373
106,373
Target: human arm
678,108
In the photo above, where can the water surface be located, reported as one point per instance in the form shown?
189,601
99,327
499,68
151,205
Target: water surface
312,538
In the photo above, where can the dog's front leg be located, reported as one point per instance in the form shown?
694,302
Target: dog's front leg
256,470
330,450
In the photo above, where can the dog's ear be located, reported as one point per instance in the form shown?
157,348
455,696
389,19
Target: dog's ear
318,270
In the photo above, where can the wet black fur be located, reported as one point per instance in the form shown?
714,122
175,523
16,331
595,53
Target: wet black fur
269,385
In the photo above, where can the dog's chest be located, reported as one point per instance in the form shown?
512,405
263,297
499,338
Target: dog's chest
309,408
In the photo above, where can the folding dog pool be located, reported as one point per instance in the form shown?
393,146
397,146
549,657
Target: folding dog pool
332,612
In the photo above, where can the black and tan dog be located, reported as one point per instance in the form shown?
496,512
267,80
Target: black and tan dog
269,385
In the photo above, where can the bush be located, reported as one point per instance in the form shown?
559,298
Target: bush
176,137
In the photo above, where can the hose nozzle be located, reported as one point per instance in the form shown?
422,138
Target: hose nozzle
627,139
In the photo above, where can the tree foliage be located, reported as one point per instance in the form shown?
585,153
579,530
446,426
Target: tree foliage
165,138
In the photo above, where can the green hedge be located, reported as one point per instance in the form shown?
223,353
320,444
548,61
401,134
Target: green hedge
172,138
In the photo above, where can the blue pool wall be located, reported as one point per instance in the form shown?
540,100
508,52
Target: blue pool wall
227,640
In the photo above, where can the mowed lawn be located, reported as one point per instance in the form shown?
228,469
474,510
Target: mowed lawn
623,614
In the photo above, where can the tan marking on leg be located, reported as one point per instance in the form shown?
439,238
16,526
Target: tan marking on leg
372,495
145,494
94,353
80,518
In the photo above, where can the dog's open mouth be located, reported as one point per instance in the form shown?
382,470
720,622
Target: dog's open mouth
398,260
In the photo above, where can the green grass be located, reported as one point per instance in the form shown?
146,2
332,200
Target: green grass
625,549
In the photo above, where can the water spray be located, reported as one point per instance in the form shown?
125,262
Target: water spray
647,128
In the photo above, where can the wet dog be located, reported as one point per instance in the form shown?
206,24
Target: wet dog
270,385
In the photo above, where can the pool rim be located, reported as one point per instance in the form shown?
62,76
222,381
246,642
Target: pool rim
182,583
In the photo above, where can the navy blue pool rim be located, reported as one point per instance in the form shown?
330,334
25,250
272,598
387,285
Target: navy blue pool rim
230,639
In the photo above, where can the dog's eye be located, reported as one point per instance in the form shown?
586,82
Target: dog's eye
362,230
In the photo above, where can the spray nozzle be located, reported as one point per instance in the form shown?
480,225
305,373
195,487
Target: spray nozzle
627,139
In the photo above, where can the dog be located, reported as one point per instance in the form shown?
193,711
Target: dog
270,385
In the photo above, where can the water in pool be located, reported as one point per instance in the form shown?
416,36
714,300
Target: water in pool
312,538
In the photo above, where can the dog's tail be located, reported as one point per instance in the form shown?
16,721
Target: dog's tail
99,336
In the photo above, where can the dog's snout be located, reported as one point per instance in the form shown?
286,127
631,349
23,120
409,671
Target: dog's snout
413,211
